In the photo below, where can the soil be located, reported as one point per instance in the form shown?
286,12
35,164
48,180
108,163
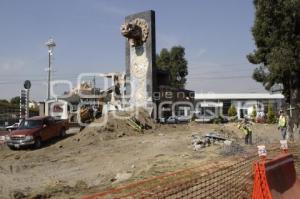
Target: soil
99,158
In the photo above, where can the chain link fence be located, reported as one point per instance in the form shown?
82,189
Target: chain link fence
9,116
226,179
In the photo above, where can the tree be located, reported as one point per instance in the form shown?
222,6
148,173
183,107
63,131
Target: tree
15,100
163,60
276,32
4,101
232,111
175,63
271,117
4,104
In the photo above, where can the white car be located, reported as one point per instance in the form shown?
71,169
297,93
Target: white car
177,119
12,127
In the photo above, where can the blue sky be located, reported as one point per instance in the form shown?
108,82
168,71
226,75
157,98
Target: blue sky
216,35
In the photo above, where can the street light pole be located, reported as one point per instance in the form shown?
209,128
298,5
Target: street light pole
49,74
50,44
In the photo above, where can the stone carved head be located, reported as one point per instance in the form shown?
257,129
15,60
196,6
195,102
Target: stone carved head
136,31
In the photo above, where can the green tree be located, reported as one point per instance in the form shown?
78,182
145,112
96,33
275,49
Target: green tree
15,100
232,111
276,32
4,101
254,112
163,60
6,104
271,117
174,62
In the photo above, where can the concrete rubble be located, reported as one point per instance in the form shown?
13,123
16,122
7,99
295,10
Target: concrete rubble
212,138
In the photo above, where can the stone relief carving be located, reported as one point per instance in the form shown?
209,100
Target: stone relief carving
136,31
139,65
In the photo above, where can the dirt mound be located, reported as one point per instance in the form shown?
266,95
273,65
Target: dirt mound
118,124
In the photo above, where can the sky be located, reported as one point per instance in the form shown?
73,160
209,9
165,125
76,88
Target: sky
216,36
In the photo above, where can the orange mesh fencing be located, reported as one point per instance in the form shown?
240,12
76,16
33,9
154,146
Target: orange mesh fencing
225,179
260,187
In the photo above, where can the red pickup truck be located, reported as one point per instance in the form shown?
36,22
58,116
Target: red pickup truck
34,131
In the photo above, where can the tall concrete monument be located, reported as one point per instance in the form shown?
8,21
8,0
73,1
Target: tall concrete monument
139,30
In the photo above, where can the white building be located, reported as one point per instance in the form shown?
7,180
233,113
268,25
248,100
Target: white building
33,104
212,104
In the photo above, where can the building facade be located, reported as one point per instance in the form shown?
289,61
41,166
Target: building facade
215,104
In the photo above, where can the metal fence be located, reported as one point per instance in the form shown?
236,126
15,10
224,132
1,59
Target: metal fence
10,116
225,179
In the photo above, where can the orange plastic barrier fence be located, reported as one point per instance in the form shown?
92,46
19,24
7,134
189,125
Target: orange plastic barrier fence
230,179
276,179
260,186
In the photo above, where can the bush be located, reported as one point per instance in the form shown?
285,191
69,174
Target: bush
254,113
271,117
232,111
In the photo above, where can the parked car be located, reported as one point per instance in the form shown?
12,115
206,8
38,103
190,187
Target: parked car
183,119
175,119
212,119
12,127
34,131
171,120
162,120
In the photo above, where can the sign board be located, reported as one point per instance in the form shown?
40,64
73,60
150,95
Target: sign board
24,100
27,84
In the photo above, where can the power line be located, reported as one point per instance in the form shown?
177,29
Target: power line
220,77
189,77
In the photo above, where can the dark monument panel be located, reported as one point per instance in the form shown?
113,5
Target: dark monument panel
140,57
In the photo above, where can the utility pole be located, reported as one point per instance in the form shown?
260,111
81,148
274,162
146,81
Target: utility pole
94,90
50,44
49,75
94,85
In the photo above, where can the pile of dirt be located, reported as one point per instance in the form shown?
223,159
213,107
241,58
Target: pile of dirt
59,190
118,124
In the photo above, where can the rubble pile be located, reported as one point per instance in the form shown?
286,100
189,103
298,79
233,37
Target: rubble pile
213,138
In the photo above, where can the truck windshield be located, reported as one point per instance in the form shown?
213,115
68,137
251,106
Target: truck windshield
30,124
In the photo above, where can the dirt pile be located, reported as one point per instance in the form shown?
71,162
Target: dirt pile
117,124
58,190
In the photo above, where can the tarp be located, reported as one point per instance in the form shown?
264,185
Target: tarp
276,179
281,177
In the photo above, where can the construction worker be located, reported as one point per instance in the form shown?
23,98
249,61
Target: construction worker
245,127
282,124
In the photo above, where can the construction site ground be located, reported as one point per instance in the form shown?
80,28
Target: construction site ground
90,161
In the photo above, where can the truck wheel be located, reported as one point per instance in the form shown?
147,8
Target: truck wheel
63,133
37,143
12,148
